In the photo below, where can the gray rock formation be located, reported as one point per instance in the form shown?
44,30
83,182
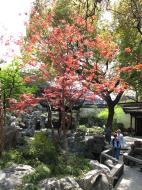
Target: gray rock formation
13,133
67,183
96,165
97,179
109,163
11,177
94,147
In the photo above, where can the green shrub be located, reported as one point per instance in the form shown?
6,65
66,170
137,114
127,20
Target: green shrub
41,172
99,121
9,157
119,121
95,131
73,166
42,154
103,114
39,150
79,165
81,128
93,120
44,149
90,131
67,166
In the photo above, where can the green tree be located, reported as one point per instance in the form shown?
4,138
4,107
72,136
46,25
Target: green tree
11,86
128,32
12,83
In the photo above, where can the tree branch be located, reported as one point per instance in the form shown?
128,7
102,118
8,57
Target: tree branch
118,98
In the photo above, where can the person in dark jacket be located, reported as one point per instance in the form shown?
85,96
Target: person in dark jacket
107,133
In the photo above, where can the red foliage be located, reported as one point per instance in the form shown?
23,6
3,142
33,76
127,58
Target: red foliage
25,100
65,92
128,50
73,49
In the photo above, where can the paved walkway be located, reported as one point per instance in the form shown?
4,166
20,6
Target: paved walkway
130,140
132,178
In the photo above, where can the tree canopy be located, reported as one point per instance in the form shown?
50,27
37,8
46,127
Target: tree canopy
65,46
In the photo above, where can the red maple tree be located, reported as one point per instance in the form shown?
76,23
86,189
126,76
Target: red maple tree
76,49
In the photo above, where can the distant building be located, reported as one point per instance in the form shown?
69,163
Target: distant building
135,112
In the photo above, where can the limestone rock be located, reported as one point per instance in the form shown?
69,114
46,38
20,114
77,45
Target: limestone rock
109,163
67,183
94,147
11,177
95,180
96,165
12,136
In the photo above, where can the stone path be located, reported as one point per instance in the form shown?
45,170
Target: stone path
132,178
130,140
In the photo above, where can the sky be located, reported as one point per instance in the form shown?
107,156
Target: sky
12,18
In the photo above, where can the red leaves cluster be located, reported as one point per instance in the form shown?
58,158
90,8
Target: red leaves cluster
66,91
106,46
72,49
131,68
25,101
138,67
128,50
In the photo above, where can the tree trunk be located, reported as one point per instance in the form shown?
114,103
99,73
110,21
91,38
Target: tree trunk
50,124
110,116
1,131
4,108
77,118
1,124
71,120
59,125
63,127
111,105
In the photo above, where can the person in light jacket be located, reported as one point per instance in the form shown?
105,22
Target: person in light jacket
115,142
120,137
